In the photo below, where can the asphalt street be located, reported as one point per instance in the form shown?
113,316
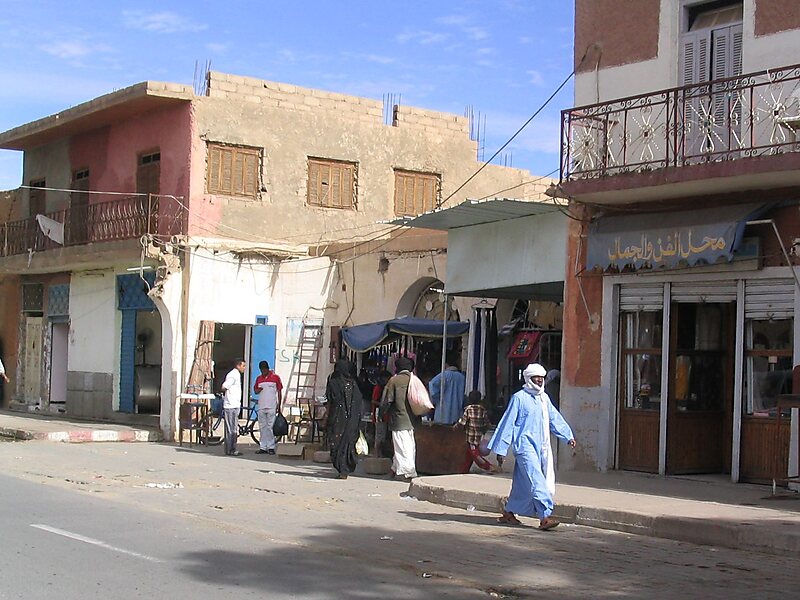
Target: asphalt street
154,520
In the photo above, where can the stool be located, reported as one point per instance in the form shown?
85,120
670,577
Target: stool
192,418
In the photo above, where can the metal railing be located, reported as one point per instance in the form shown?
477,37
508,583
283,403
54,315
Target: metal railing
726,119
119,218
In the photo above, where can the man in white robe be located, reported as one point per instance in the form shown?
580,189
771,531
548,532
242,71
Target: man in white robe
525,427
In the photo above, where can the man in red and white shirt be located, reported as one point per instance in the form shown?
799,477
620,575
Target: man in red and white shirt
269,389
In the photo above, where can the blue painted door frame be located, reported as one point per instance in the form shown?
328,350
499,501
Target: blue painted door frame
131,298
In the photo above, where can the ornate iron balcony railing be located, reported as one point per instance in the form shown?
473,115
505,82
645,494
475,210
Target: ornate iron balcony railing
726,119
120,218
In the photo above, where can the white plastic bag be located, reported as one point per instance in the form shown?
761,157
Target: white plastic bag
362,448
418,398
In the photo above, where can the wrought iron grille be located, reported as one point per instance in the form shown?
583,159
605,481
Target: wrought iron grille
119,218
755,114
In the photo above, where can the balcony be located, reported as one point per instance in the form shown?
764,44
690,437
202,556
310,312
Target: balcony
714,123
118,218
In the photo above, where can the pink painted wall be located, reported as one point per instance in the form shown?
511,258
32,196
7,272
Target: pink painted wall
110,153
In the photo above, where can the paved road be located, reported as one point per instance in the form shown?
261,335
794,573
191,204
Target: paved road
85,521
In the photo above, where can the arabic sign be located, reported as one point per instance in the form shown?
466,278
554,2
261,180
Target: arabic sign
668,240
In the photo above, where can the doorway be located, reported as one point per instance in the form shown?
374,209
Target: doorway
59,348
700,404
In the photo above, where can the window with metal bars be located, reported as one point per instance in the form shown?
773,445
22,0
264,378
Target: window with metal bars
331,183
32,298
415,193
148,173
233,170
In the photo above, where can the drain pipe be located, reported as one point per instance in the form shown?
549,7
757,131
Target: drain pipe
780,241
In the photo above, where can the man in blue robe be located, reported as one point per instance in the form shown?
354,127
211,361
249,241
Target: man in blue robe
450,404
525,427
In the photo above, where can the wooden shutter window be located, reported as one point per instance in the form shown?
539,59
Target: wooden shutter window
232,171
148,173
331,184
415,193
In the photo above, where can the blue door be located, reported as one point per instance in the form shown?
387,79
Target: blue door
262,347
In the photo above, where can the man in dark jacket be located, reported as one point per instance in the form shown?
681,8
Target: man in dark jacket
401,420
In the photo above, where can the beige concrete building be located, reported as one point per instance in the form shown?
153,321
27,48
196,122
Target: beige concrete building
174,219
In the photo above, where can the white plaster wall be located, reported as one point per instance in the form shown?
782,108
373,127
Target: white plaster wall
170,308
94,323
227,292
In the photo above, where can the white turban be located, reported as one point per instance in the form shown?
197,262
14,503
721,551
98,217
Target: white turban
533,370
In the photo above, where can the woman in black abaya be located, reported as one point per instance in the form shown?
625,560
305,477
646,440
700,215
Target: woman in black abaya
344,417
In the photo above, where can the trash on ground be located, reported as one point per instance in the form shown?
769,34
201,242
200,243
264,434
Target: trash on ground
408,498
315,479
373,495
167,485
386,537
426,575
471,508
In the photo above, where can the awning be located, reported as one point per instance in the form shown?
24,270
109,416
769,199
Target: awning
477,212
502,248
669,239
364,337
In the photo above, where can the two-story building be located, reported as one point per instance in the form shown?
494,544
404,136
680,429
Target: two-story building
681,162
162,229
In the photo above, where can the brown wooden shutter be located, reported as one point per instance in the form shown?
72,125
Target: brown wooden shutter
415,193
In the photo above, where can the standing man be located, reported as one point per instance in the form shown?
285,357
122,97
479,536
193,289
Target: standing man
269,388
450,404
231,405
3,375
526,426
401,420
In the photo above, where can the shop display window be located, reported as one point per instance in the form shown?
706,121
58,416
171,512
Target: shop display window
641,359
768,365
700,357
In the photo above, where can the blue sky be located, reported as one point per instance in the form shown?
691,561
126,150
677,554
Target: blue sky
502,57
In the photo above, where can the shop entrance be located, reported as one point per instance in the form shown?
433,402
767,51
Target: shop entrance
700,406
699,398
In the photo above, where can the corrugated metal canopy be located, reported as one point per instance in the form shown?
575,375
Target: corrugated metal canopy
477,212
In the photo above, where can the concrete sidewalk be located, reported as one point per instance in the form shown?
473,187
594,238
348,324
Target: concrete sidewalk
25,426
707,511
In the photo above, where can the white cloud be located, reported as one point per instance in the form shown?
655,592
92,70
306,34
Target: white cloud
217,47
373,58
476,33
422,37
452,20
67,49
161,22
536,78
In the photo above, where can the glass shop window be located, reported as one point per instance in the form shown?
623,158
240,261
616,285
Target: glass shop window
641,360
768,365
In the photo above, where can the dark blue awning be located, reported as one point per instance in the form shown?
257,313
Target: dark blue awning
364,337
669,239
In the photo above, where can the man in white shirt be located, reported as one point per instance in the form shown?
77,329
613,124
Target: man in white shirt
231,405
3,375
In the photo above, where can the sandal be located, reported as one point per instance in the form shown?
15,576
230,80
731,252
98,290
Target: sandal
509,519
547,524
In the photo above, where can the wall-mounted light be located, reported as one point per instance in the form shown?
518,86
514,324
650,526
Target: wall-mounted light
140,268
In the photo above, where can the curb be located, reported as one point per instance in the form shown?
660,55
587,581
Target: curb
83,436
738,536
